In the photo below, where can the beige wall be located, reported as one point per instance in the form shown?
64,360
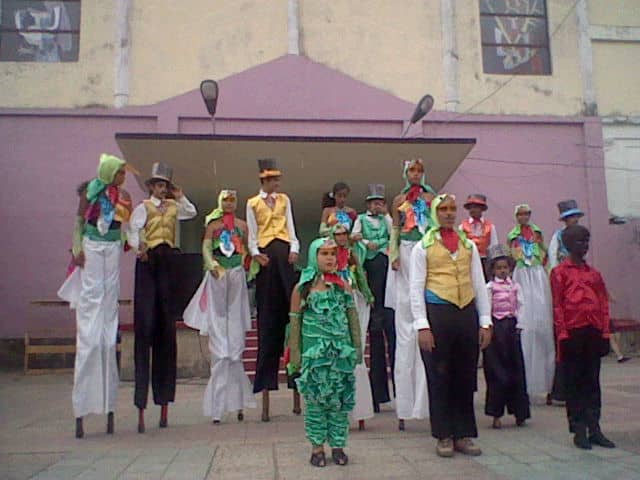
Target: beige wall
614,12
174,48
396,49
375,41
89,81
615,63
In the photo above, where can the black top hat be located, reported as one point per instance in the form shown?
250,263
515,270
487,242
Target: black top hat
569,208
160,171
476,199
376,191
268,168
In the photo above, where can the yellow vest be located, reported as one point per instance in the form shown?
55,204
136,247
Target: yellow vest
160,228
272,223
450,279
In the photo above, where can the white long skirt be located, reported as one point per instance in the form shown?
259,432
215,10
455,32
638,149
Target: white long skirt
220,309
95,378
536,319
412,400
363,408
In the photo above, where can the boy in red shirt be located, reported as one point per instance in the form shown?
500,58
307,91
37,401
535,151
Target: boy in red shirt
581,318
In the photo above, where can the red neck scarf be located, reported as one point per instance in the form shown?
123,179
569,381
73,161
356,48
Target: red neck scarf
415,191
343,258
526,232
450,239
228,221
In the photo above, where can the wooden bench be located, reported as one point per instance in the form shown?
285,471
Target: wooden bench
53,341
625,325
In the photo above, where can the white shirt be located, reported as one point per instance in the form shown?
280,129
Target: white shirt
417,279
186,210
252,226
552,254
375,221
493,240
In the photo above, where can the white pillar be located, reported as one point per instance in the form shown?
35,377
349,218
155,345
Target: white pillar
123,42
449,55
586,59
293,27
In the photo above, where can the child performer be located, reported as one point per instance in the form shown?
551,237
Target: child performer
335,210
220,309
503,362
373,229
325,347
350,269
581,317
410,213
152,235
274,245
570,214
477,228
528,249
452,315
97,242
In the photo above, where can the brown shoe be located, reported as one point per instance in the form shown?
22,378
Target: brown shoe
466,446
444,448
497,424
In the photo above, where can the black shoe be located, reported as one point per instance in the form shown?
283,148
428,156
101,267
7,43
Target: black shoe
79,428
599,439
580,440
110,423
318,459
339,457
623,359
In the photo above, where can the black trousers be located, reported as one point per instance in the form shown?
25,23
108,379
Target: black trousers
155,328
381,328
580,362
274,285
452,370
503,365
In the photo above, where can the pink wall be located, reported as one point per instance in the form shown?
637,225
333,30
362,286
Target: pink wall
45,154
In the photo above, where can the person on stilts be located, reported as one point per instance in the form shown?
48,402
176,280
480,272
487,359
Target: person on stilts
273,244
153,236
220,310
479,229
97,244
410,213
373,229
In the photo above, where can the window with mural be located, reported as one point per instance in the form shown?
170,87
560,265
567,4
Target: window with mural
515,37
33,31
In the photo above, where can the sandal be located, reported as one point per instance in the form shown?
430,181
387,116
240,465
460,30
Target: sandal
339,457
318,459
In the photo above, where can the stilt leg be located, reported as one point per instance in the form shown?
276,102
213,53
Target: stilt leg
401,425
265,405
164,412
296,403
141,420
79,428
240,415
360,425
110,423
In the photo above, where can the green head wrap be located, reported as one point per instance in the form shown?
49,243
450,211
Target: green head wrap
430,236
217,212
107,169
310,272
405,174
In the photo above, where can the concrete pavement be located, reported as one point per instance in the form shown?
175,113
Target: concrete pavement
36,440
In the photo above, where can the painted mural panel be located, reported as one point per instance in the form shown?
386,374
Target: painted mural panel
515,37
37,31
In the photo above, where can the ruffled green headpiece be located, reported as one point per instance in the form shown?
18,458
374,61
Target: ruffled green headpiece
107,169
517,230
217,212
430,236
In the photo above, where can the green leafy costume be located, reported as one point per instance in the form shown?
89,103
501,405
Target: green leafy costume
325,345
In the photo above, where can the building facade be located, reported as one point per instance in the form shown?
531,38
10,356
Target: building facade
547,88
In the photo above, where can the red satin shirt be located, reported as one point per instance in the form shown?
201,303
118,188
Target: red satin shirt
579,299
